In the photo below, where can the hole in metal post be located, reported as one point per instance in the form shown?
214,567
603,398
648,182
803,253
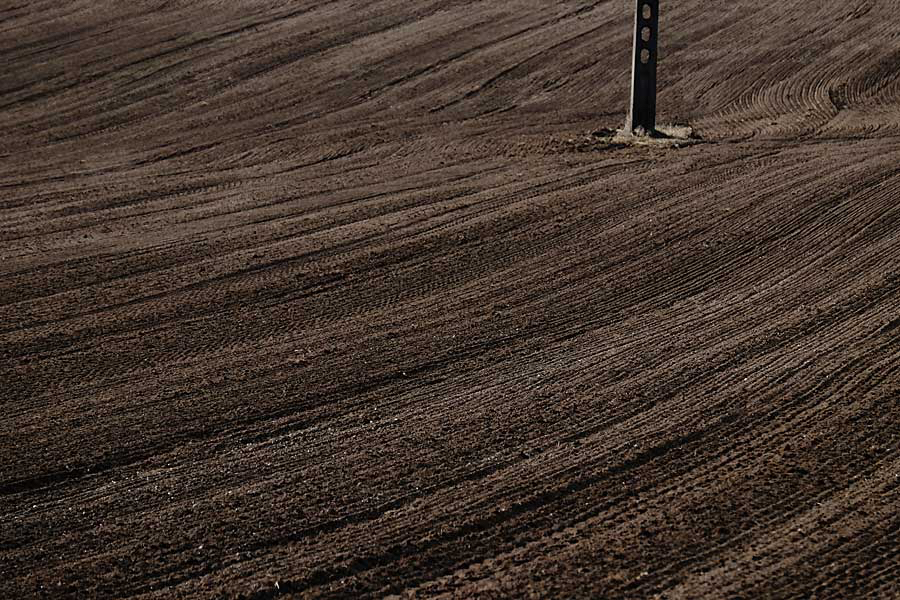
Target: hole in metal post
645,34
645,56
647,12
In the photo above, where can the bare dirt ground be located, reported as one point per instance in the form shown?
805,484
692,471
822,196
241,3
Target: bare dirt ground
337,299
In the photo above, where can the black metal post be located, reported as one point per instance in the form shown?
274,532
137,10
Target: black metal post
642,112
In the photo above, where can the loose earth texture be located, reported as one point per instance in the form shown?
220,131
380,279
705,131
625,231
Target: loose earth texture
329,298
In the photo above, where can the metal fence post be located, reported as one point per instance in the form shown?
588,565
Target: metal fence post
642,111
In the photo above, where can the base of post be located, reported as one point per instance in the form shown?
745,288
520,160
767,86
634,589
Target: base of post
640,131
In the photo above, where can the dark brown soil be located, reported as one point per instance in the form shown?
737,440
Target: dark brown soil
343,299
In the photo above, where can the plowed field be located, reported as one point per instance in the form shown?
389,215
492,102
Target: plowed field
329,298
